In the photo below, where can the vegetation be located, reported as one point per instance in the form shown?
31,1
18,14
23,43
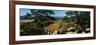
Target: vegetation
44,23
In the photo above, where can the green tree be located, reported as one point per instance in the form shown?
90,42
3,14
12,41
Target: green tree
70,16
42,16
28,16
81,17
36,27
86,18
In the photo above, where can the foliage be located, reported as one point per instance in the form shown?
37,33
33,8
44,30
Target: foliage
44,22
37,27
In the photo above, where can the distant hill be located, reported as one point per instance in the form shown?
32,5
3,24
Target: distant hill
26,17
59,18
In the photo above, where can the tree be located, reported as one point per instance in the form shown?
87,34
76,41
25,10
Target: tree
81,17
42,16
36,27
86,18
42,12
28,16
70,16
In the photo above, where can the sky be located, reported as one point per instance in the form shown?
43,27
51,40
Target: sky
58,13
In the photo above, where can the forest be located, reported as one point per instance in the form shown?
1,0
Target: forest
44,22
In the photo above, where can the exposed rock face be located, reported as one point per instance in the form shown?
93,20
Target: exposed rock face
25,21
